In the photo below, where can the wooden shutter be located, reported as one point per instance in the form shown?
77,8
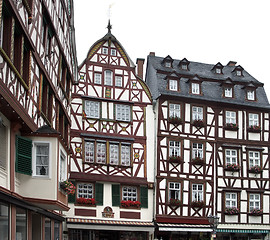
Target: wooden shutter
72,198
3,146
116,195
23,155
99,193
144,197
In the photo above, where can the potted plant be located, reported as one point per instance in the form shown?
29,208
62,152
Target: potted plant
86,201
254,128
255,169
233,167
256,212
175,202
231,210
198,123
231,126
68,187
175,120
197,161
129,203
197,204
175,159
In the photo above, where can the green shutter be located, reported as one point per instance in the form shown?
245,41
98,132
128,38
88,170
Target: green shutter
144,197
99,193
72,198
23,155
116,195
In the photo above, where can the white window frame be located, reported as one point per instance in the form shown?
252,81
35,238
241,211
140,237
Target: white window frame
129,193
85,190
231,156
97,78
118,81
114,153
254,201
105,50
228,92
89,151
174,190
230,117
168,64
174,110
125,154
113,52
101,148
230,200
195,88
238,73
253,119
184,66
218,70
174,148
34,163
173,85
254,158
197,192
92,109
62,166
108,78
251,95
122,112
197,113
197,150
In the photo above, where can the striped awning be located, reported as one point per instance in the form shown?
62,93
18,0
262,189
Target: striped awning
184,227
242,230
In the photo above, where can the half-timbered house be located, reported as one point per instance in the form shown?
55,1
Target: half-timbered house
37,68
112,162
212,145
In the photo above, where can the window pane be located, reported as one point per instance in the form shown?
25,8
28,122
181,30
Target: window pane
101,152
97,78
92,109
89,152
125,155
108,78
114,154
85,190
47,229
21,224
42,159
129,193
4,223
122,112
56,230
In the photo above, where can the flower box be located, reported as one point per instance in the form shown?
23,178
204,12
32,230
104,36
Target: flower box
197,204
254,129
256,212
175,202
86,201
129,203
255,169
175,159
175,120
232,167
198,123
68,187
231,211
231,126
197,161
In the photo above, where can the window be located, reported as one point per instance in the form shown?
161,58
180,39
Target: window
195,88
1,32
56,230
228,92
114,153
197,150
230,200
42,158
46,99
184,67
254,201
92,109
85,190
4,216
238,73
174,190
125,155
122,112
113,52
197,113
254,158
48,231
174,110
173,85
118,81
3,145
63,164
104,50
231,156
97,78
168,64
89,152
129,193
108,78
230,117
21,223
174,149
251,95
218,70
101,152
253,119
197,192
47,33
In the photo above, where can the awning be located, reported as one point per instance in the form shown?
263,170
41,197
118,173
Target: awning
184,227
79,223
243,230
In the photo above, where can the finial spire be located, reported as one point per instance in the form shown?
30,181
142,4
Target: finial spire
109,26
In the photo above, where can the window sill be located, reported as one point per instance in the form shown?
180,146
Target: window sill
251,130
230,128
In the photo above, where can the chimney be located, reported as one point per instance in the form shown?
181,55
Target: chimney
140,62
152,54
231,63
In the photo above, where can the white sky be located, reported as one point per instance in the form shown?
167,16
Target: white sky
207,31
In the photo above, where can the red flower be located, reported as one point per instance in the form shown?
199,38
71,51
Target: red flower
88,201
130,203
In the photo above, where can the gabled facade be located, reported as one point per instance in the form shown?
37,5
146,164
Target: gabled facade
38,65
212,151
111,164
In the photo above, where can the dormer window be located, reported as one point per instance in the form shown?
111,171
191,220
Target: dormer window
167,61
238,73
173,85
183,64
251,95
228,92
195,88
218,70
184,67
168,64
105,50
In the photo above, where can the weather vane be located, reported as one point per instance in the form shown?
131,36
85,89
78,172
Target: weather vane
109,17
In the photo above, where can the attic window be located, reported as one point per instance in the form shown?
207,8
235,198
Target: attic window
184,67
218,70
251,95
168,64
104,50
113,52
238,73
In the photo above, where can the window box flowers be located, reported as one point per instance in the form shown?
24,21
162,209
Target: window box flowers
231,126
129,203
197,161
175,159
86,201
233,167
255,169
256,212
197,204
175,202
68,187
175,120
231,211
198,123
254,128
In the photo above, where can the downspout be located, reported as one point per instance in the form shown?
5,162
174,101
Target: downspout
155,157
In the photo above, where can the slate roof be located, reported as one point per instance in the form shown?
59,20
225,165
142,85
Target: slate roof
156,74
